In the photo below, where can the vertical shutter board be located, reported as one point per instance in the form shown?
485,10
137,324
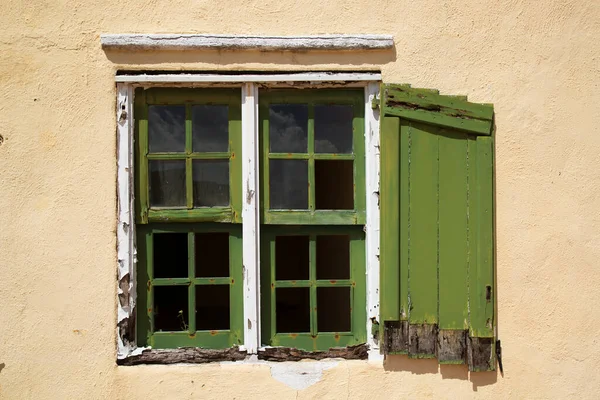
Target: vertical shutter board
390,227
453,290
422,239
481,273
404,217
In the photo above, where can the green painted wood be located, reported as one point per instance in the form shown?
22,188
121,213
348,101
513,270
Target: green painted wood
205,214
448,105
404,221
208,339
318,217
422,224
312,265
453,211
313,97
473,126
482,277
141,151
191,288
313,340
189,97
389,202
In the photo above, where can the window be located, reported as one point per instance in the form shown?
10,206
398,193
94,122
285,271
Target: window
278,186
189,220
313,213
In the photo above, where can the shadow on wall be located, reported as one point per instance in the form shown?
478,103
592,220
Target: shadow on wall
230,57
401,363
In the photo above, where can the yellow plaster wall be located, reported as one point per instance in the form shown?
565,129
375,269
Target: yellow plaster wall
537,61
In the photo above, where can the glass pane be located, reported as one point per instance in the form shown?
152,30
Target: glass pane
292,312
333,257
170,308
212,255
167,183
291,258
288,128
170,255
333,129
212,307
333,309
334,185
288,181
166,129
210,128
211,183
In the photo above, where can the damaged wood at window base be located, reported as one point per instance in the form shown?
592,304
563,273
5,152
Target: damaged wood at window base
449,346
356,352
189,355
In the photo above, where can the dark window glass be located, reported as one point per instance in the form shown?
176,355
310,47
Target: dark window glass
333,129
291,258
212,255
167,183
288,184
292,310
333,257
210,128
334,185
212,307
170,255
166,129
333,309
170,308
288,128
211,183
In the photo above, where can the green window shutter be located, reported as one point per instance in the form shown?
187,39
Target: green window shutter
437,276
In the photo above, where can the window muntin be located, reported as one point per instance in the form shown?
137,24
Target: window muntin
314,312
189,154
306,134
199,302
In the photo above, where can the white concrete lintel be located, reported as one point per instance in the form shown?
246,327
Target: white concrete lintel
256,78
133,41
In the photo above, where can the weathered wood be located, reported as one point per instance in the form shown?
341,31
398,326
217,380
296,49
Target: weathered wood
189,355
395,337
244,42
480,354
422,340
358,352
452,346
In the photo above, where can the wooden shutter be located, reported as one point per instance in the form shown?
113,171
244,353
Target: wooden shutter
437,245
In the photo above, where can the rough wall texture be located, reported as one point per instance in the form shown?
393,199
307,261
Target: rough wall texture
538,63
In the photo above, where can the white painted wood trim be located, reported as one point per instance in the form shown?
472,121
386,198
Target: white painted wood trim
250,218
372,225
241,78
126,252
146,42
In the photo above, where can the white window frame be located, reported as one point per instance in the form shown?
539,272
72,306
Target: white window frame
250,84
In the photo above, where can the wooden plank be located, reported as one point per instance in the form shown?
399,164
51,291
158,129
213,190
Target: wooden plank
190,355
452,346
480,354
191,240
205,214
358,289
481,265
422,340
235,163
423,225
403,241
318,217
390,218
141,135
453,274
474,126
395,337
448,105
357,352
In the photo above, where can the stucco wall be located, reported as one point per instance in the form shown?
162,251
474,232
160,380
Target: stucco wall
538,62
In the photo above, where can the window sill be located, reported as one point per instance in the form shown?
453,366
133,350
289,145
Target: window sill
194,355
